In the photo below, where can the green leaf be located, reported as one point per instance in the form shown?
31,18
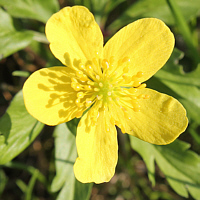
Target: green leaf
172,80
3,181
174,72
158,9
65,156
12,40
32,9
180,166
17,130
185,31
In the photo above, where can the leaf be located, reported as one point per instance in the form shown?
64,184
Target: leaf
12,40
32,9
172,80
65,156
17,130
174,72
158,9
3,181
180,166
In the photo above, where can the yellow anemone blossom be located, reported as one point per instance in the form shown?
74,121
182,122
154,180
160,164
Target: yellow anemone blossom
107,82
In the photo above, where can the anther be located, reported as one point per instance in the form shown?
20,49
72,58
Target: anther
101,84
142,86
136,83
109,93
97,77
79,73
127,79
146,96
79,114
141,96
105,64
90,82
75,86
81,66
125,59
77,101
140,74
99,97
96,89
87,87
88,103
80,95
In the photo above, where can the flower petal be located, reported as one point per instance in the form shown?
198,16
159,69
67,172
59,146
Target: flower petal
147,42
161,118
73,35
97,149
49,97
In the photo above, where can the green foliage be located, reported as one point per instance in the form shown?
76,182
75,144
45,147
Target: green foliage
32,9
17,130
180,166
158,9
65,156
12,40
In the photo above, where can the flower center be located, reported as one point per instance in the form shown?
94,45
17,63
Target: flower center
104,81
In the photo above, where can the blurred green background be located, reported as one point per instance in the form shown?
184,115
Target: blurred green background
36,160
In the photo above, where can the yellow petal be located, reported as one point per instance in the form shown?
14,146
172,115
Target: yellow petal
148,43
97,149
48,95
161,118
74,35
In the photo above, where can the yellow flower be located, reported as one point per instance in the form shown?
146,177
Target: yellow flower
107,83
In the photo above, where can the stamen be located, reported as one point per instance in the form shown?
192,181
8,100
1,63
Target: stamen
127,78
87,87
79,114
136,83
105,64
140,74
101,84
97,77
146,96
75,86
96,89
109,93
88,103
141,96
126,59
90,82
142,86
80,95
99,97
